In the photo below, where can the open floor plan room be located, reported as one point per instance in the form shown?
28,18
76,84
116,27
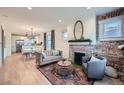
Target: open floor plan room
61,46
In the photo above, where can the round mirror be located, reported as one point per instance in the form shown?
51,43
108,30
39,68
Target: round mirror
78,30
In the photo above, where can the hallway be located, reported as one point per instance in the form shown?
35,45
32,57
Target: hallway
16,71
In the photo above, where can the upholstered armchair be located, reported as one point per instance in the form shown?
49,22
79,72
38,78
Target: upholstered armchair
94,69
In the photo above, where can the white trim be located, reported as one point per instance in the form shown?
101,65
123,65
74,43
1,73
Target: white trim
112,39
79,43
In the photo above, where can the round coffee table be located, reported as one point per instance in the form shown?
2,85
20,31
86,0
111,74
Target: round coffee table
64,68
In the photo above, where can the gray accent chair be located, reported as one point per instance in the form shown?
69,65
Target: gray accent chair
94,69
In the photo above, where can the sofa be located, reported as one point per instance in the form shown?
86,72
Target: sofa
94,68
50,56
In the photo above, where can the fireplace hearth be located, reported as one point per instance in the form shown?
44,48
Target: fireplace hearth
78,58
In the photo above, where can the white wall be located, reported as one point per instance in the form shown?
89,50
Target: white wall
90,28
7,48
7,33
89,23
60,44
7,43
39,38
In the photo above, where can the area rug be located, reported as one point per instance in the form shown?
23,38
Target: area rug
76,78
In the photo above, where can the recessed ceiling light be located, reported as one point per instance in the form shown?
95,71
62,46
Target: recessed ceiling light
29,8
88,7
60,20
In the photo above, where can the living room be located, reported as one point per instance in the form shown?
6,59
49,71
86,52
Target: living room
32,37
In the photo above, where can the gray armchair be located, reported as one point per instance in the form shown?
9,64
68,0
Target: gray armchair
94,69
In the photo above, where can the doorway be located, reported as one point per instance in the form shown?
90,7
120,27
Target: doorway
19,44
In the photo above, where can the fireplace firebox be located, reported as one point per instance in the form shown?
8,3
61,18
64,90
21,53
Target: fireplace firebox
78,58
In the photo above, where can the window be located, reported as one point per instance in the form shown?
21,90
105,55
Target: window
65,36
48,42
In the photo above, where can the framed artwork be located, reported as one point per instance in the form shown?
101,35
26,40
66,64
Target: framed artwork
112,29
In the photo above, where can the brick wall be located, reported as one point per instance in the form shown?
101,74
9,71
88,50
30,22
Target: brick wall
107,49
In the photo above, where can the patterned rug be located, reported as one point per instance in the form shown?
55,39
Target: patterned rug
76,78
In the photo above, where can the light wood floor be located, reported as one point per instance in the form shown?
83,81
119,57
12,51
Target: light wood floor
17,71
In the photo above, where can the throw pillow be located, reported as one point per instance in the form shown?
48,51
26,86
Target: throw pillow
44,55
48,52
85,58
55,53
111,72
94,59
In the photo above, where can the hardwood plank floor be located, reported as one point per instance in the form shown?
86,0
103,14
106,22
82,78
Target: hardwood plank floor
20,72
16,71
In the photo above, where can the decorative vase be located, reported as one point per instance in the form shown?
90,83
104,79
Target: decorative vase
64,62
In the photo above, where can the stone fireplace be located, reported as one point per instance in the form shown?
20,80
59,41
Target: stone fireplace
77,57
106,49
81,50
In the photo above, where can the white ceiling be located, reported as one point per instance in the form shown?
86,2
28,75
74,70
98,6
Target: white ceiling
43,19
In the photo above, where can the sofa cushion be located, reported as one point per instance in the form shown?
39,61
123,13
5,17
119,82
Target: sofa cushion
51,58
93,59
85,59
55,53
48,52
111,72
44,55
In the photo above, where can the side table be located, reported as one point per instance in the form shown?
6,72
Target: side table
64,68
